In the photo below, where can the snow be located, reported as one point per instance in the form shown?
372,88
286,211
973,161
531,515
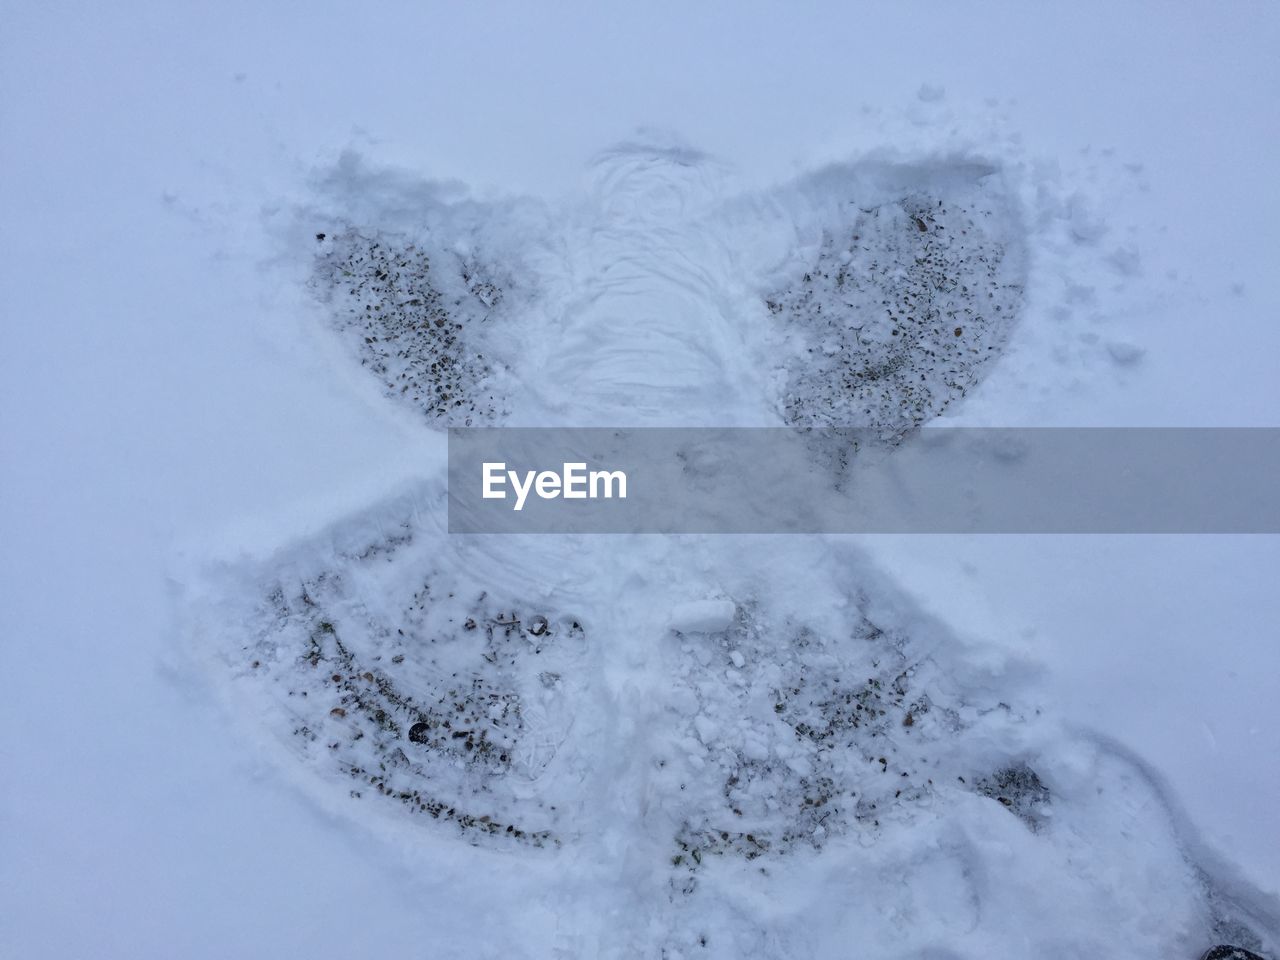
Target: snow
191,446
704,616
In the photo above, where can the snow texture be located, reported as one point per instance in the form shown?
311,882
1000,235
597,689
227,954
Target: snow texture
260,704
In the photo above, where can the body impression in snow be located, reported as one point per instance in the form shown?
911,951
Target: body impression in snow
730,747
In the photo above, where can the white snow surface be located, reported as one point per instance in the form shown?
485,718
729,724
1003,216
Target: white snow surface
703,616
264,705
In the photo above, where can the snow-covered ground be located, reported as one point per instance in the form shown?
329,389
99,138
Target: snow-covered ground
236,628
